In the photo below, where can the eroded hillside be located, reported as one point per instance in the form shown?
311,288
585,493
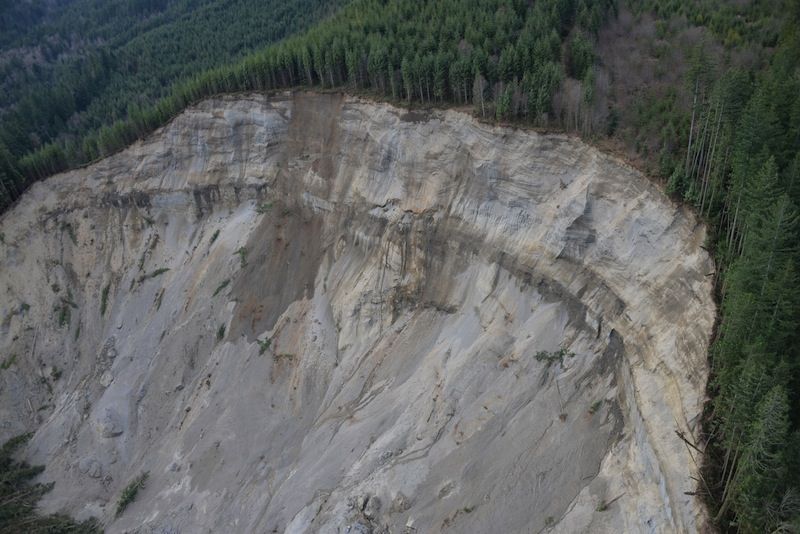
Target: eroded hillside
311,313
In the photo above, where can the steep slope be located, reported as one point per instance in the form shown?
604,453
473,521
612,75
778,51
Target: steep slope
313,312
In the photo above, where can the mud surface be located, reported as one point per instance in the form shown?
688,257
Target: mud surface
316,313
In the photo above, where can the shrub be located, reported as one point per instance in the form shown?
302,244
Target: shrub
104,299
130,492
242,252
8,362
214,236
18,497
157,272
555,356
220,287
63,314
263,346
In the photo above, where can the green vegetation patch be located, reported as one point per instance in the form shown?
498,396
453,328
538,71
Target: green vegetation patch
104,299
555,356
242,253
263,345
153,274
19,496
160,299
130,492
102,67
507,60
220,287
8,362
214,236
64,314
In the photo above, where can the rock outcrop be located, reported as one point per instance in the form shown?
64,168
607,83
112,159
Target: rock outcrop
316,313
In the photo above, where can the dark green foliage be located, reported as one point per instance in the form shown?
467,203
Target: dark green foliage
242,253
221,332
401,49
130,492
214,236
104,299
220,287
762,471
735,23
8,362
153,274
87,66
742,176
551,357
64,314
263,346
18,498
579,56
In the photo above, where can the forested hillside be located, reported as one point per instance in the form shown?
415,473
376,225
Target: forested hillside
69,67
704,94
19,495
741,170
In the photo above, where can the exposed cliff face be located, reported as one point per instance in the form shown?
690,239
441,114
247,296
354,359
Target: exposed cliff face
388,285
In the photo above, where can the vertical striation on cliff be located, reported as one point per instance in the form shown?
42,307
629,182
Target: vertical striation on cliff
315,312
